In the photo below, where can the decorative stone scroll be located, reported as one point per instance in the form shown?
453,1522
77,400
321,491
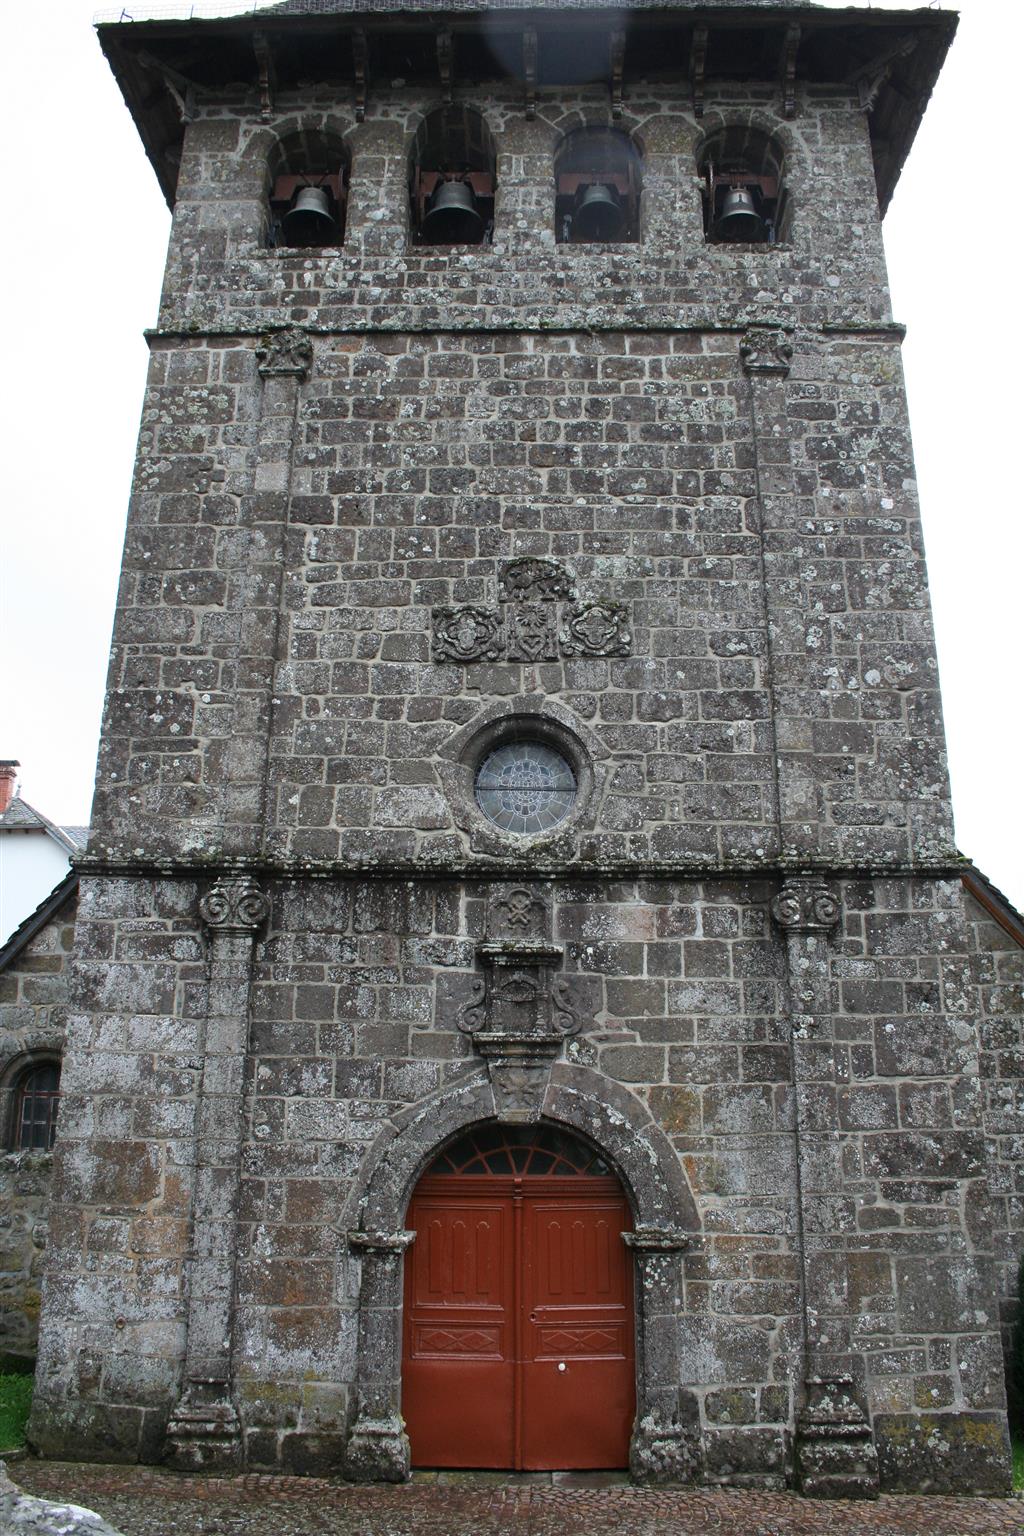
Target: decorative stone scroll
806,905
531,579
531,632
286,353
766,349
596,629
234,906
467,634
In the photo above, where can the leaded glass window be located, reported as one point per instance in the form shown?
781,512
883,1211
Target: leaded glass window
38,1097
525,787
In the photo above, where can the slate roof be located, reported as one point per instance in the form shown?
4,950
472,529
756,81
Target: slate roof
47,908
22,817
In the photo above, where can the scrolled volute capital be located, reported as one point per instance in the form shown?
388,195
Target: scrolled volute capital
235,906
806,906
765,349
287,353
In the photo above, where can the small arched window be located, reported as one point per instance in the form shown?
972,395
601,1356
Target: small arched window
309,190
742,187
597,188
36,1096
452,179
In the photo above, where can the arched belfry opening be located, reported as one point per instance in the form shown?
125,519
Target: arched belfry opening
452,178
598,182
743,190
309,172
518,1318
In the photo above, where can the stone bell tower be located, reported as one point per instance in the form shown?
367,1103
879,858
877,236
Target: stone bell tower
523,725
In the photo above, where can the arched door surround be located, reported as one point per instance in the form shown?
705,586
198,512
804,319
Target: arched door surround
665,1220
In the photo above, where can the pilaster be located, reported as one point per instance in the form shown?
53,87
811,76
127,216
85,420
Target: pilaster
663,1448
835,1451
284,360
766,355
378,1447
204,1431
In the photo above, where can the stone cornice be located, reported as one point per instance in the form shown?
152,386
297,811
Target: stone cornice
160,337
92,866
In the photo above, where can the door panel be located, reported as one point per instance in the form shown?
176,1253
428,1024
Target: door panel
518,1328
459,1376
578,1395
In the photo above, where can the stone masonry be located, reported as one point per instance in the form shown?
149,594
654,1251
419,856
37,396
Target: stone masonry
651,506
33,1009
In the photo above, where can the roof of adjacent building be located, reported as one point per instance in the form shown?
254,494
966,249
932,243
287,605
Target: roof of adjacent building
891,59
22,817
999,907
48,908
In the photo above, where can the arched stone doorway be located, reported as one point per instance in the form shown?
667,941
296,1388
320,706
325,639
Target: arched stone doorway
665,1222
518,1316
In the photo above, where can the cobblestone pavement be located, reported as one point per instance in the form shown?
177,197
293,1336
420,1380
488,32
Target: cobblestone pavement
141,1501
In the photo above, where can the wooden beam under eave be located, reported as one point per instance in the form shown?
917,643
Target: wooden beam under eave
698,59
787,69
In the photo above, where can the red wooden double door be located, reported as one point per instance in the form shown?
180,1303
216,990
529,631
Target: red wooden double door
518,1323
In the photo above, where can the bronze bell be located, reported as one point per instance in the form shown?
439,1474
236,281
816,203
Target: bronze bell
599,216
309,220
451,217
739,219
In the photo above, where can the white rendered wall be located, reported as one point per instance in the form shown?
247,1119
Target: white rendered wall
31,864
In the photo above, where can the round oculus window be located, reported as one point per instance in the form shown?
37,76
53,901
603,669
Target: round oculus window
525,787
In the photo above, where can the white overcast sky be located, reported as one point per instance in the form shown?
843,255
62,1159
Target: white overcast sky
82,260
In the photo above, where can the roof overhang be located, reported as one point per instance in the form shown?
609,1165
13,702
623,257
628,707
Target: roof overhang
890,58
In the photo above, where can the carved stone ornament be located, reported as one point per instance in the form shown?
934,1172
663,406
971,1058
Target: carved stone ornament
596,629
766,350
532,633
235,906
467,634
531,579
517,912
288,353
518,1016
806,906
